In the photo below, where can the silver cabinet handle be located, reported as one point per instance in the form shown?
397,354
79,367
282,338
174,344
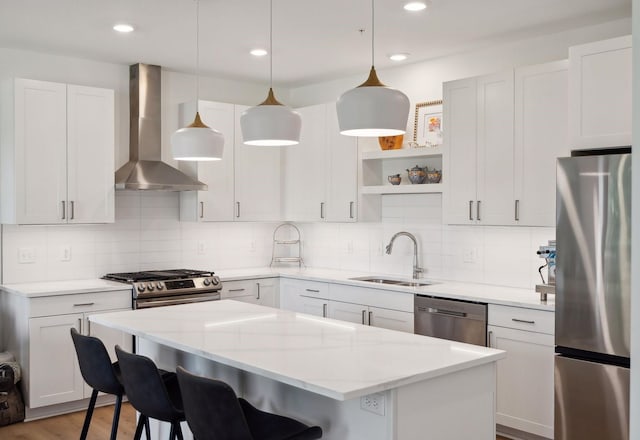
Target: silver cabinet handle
470,209
237,209
478,210
64,210
370,316
88,327
351,210
236,290
324,310
489,339
258,286
201,209
517,213
364,312
73,210
83,304
523,321
79,325
312,290
321,209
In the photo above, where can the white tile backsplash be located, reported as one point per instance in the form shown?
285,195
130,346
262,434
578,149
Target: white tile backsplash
148,234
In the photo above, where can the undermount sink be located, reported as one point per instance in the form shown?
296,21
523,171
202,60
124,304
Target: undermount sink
379,280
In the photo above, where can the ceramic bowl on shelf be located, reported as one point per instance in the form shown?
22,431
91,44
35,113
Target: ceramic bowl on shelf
391,142
394,179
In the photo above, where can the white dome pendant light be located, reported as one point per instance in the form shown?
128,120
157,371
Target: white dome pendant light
197,142
270,123
372,109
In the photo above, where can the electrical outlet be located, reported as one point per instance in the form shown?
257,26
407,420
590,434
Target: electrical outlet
26,255
350,247
202,250
252,246
469,255
373,403
65,252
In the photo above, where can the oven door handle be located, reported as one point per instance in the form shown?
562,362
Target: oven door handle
142,304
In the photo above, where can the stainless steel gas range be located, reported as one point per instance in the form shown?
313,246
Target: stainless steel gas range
156,288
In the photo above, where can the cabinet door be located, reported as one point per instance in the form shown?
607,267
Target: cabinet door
305,168
257,179
391,319
541,136
242,290
342,176
291,292
600,94
524,380
495,201
312,306
54,376
267,292
217,203
459,107
40,148
349,312
90,155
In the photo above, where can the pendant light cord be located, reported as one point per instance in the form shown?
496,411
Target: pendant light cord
271,44
372,30
197,51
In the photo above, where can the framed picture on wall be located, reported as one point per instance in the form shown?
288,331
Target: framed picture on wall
427,130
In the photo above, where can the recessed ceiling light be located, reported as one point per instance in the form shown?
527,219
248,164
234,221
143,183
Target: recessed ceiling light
124,28
398,56
415,6
258,52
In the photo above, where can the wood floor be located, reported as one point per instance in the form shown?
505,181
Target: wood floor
68,427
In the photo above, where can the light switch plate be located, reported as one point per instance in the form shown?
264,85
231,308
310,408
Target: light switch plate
26,255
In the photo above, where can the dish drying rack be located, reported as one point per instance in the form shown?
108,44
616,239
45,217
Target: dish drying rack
293,231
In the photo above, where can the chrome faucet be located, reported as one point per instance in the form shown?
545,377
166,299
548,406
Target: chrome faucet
416,269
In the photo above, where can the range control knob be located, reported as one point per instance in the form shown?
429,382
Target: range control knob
140,288
150,287
215,281
159,286
206,282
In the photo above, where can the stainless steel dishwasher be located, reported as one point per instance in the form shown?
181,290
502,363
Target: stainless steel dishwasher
461,321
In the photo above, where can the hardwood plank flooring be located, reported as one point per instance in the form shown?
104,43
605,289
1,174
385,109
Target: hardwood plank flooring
68,426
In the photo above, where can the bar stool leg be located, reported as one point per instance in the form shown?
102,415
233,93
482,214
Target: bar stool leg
87,418
179,431
116,417
142,421
147,428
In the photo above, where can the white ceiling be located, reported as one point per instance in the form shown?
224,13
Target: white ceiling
313,39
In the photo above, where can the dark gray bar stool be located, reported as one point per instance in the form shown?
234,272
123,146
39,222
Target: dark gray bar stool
100,374
151,392
214,412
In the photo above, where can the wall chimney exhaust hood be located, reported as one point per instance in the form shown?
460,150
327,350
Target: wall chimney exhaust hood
145,169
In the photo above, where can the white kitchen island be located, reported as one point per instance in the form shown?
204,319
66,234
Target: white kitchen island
324,372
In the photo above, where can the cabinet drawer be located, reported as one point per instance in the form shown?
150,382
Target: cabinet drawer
313,289
386,299
236,289
540,321
79,303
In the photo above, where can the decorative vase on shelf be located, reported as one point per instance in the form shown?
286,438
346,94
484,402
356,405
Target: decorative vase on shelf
391,142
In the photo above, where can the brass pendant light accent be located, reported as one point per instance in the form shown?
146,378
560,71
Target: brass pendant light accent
271,99
373,80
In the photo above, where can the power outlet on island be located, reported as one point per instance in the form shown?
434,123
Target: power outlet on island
373,403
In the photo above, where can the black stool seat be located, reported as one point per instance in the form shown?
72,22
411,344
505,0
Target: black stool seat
153,393
100,374
214,412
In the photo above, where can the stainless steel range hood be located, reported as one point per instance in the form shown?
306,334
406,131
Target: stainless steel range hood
145,169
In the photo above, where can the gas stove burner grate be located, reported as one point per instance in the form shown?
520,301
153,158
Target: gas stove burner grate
157,275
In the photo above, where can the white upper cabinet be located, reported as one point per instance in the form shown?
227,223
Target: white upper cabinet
257,179
503,135
321,181
217,203
600,94
57,147
541,136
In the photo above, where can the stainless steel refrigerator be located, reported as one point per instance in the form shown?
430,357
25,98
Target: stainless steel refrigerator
593,239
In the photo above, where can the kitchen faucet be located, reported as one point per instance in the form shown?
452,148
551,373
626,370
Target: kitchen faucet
416,269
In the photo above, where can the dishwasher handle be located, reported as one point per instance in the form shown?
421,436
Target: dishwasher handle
442,312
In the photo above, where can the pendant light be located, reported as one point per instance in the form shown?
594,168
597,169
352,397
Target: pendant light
372,109
270,123
197,142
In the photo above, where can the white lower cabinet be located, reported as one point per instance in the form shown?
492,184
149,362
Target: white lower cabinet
263,291
525,377
40,339
373,316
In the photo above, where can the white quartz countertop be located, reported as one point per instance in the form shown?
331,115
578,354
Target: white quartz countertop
332,358
54,288
491,294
